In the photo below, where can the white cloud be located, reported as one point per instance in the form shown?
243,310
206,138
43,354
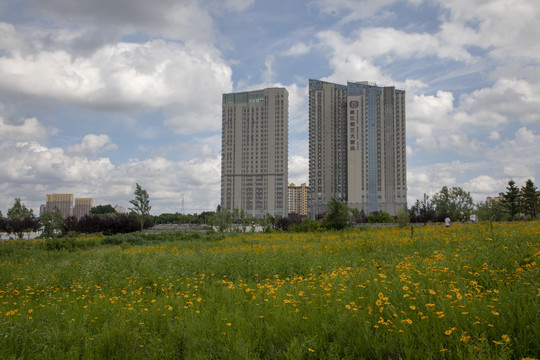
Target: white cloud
430,179
506,99
269,74
127,77
298,169
25,130
352,10
506,28
35,170
92,144
297,49
518,157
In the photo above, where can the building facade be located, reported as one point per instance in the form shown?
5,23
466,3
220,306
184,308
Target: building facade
64,203
298,199
82,207
254,152
357,148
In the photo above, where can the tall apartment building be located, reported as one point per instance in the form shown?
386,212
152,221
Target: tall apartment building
82,207
298,199
64,202
357,149
254,152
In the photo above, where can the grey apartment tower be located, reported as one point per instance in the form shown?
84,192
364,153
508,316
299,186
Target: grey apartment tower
357,149
254,152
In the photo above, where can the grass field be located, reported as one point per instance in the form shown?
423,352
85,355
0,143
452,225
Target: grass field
465,292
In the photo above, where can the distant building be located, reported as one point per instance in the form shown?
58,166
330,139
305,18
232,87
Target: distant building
64,202
119,209
298,199
254,152
357,150
82,207
496,198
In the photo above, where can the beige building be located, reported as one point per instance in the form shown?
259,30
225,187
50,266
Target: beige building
327,145
64,202
357,146
298,199
82,207
254,155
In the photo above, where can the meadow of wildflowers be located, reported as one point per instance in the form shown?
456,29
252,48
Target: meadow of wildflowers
465,292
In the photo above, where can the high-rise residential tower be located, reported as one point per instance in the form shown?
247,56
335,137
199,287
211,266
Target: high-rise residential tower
357,149
298,199
64,203
82,207
254,152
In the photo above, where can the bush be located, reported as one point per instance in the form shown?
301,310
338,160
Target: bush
403,218
380,217
307,225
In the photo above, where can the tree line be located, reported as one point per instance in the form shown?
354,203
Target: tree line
454,202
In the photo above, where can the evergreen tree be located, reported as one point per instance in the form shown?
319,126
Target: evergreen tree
338,215
512,199
530,199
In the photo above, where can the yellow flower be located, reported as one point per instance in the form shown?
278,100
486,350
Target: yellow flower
495,313
506,338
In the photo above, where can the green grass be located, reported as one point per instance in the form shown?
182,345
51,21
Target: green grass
462,292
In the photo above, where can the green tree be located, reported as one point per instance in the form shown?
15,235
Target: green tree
529,199
338,215
491,211
20,219
512,199
380,217
52,222
454,202
103,210
141,204
358,216
403,217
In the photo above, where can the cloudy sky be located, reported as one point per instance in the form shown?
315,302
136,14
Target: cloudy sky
96,96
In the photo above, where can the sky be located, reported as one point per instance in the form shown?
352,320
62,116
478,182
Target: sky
96,96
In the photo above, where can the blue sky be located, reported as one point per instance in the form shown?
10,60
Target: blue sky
96,96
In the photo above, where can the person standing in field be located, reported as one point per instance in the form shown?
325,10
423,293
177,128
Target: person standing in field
447,221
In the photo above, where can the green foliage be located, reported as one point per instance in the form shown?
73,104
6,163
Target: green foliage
358,217
307,225
512,199
133,239
403,218
381,217
20,219
103,210
454,202
52,222
338,215
19,211
530,199
141,204
466,292
491,211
